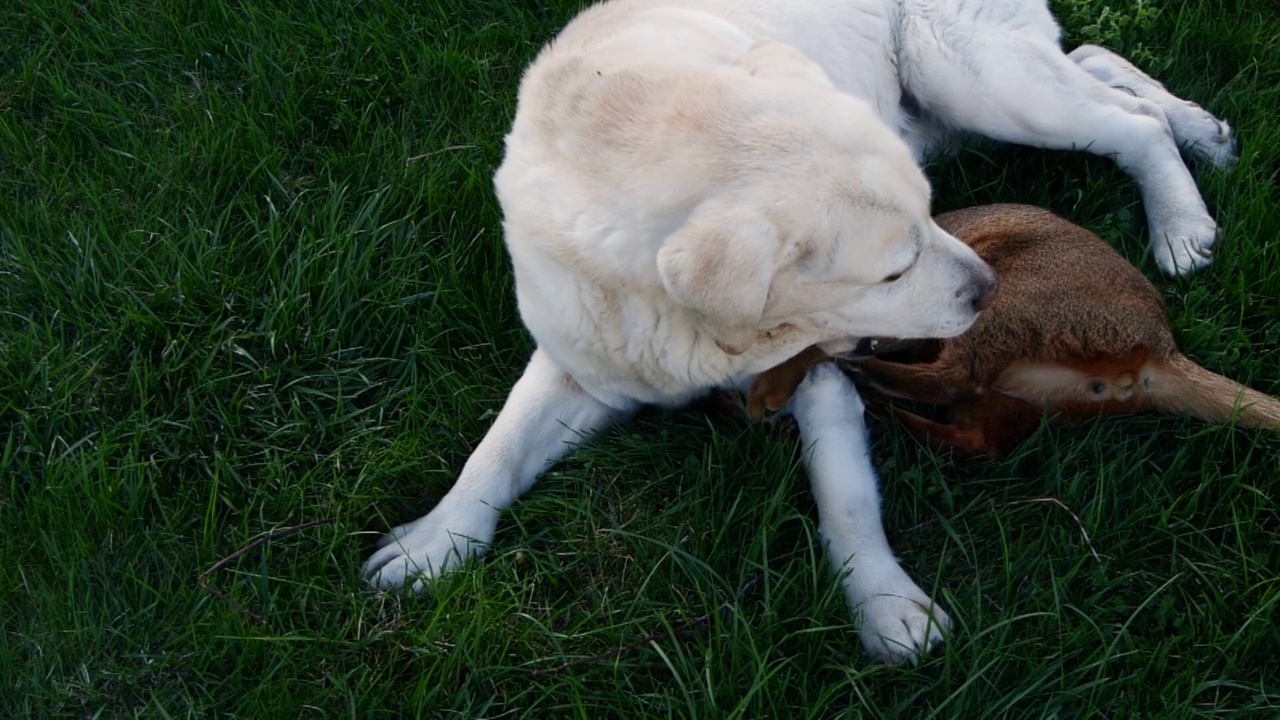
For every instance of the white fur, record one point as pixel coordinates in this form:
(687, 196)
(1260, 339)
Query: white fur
(899, 621)
(695, 190)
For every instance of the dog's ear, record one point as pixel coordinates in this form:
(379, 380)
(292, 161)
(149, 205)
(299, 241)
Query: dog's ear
(771, 59)
(720, 264)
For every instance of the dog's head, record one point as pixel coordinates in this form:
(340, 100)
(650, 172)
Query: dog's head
(823, 232)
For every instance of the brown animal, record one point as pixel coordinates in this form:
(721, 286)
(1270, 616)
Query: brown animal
(1075, 331)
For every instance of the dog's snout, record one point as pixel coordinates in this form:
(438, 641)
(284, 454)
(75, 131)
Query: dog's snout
(985, 287)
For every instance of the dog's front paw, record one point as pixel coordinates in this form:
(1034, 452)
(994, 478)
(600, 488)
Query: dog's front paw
(1184, 247)
(898, 628)
(899, 621)
(416, 553)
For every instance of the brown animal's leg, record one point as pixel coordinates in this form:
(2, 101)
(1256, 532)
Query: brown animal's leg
(934, 383)
(941, 436)
(775, 386)
(1078, 387)
(1005, 421)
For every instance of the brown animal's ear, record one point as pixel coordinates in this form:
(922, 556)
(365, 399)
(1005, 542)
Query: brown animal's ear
(720, 264)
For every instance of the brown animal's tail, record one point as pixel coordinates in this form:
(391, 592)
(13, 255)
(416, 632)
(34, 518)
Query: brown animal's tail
(1181, 386)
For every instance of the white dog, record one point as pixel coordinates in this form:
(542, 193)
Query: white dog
(695, 190)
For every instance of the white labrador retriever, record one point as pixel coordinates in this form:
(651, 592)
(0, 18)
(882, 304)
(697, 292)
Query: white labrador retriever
(695, 190)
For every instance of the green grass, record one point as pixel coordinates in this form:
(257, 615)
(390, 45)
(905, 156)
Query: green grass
(251, 276)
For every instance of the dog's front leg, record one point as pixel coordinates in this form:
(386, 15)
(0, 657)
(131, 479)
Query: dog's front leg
(544, 417)
(899, 621)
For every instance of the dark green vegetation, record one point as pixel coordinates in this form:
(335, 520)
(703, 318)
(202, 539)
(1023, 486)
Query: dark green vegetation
(251, 276)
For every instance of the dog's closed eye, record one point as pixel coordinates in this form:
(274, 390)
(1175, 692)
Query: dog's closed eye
(895, 276)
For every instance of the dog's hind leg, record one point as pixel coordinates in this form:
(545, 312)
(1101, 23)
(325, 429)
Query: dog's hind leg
(544, 417)
(899, 621)
(1197, 131)
(1020, 88)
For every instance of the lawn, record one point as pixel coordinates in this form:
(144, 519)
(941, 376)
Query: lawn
(252, 277)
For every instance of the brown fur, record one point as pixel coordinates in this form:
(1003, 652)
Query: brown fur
(1075, 331)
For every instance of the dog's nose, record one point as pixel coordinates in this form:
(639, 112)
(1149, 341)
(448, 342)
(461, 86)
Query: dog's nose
(986, 287)
(983, 287)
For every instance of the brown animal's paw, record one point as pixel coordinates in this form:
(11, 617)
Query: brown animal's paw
(773, 388)
(786, 426)
(765, 399)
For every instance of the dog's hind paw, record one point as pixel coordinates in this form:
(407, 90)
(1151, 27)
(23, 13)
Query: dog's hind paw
(1187, 250)
(1205, 137)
